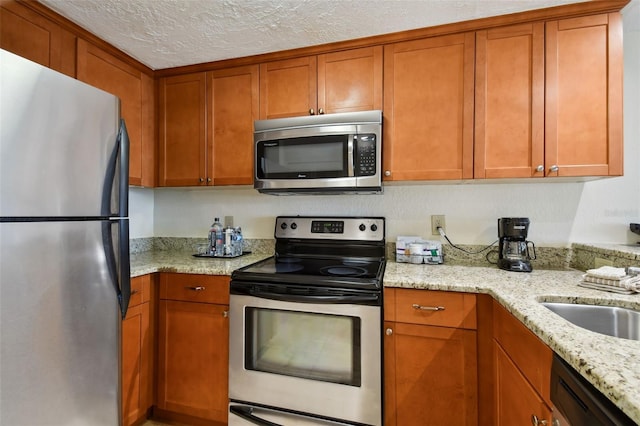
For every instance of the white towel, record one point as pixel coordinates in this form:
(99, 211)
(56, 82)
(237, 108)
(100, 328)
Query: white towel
(610, 288)
(607, 272)
(631, 283)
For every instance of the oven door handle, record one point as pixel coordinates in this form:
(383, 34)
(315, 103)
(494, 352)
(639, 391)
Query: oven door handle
(246, 413)
(318, 299)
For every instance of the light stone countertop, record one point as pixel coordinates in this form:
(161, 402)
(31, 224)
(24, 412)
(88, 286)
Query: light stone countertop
(183, 261)
(611, 364)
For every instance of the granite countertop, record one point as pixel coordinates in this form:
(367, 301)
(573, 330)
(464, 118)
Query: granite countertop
(183, 261)
(611, 364)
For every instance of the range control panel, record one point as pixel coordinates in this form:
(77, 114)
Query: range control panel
(330, 228)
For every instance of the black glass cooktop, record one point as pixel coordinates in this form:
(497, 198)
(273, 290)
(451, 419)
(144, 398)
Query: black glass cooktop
(324, 271)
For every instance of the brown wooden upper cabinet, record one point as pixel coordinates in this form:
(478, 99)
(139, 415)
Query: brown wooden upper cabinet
(565, 120)
(428, 108)
(509, 114)
(583, 96)
(32, 36)
(343, 81)
(135, 90)
(206, 127)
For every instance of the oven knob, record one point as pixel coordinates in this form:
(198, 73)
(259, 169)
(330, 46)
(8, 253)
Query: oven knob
(362, 227)
(374, 227)
(283, 225)
(294, 225)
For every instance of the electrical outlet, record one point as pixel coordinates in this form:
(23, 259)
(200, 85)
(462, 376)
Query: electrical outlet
(437, 221)
(598, 262)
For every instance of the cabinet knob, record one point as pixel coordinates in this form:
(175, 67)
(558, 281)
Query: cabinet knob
(540, 168)
(535, 421)
(201, 180)
(388, 331)
(554, 168)
(387, 173)
(196, 288)
(312, 111)
(225, 314)
(320, 111)
(209, 180)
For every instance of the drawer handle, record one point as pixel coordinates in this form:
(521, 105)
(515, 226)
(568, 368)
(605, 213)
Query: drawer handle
(197, 288)
(427, 308)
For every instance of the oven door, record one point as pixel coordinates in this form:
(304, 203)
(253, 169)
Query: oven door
(315, 355)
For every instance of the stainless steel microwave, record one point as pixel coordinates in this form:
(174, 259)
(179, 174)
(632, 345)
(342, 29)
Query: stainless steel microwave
(319, 154)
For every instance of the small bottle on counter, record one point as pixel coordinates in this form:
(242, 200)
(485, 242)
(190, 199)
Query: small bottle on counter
(215, 238)
(237, 246)
(228, 241)
(219, 237)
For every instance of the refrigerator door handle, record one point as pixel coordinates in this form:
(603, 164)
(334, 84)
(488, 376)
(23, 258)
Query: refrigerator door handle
(123, 199)
(119, 155)
(120, 277)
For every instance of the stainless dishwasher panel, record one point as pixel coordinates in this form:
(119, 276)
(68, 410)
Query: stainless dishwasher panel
(579, 402)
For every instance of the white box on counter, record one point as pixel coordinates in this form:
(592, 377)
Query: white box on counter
(414, 249)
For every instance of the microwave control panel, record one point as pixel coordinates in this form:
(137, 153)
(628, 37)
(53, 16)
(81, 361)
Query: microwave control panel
(365, 154)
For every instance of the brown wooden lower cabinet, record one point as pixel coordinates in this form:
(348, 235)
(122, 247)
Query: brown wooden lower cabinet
(517, 402)
(137, 353)
(193, 335)
(522, 366)
(430, 371)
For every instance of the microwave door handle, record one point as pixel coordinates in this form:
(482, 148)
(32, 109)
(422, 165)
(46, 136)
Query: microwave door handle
(246, 413)
(350, 155)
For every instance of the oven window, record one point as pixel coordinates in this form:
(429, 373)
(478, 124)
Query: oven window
(302, 344)
(317, 156)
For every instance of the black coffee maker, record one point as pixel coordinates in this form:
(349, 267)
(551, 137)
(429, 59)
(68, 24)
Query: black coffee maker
(514, 247)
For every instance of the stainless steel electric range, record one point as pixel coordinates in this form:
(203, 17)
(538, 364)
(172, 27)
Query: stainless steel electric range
(306, 326)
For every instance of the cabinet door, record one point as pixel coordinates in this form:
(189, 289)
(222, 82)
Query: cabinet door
(516, 400)
(583, 106)
(193, 359)
(32, 36)
(182, 130)
(136, 346)
(233, 106)
(430, 375)
(428, 108)
(137, 353)
(104, 71)
(350, 80)
(509, 113)
(288, 88)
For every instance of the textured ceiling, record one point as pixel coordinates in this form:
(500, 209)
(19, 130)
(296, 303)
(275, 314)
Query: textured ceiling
(170, 33)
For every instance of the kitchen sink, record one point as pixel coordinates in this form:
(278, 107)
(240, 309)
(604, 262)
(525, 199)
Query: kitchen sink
(610, 320)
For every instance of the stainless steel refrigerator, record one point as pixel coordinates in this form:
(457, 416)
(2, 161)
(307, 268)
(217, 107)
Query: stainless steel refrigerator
(64, 248)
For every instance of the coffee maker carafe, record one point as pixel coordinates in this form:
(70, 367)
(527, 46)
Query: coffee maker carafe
(514, 247)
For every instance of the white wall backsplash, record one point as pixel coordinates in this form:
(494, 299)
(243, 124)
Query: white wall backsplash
(141, 206)
(596, 211)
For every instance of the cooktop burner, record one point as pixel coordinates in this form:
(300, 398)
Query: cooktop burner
(344, 271)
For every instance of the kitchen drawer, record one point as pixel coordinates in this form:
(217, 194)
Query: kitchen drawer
(195, 288)
(140, 290)
(530, 354)
(415, 307)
